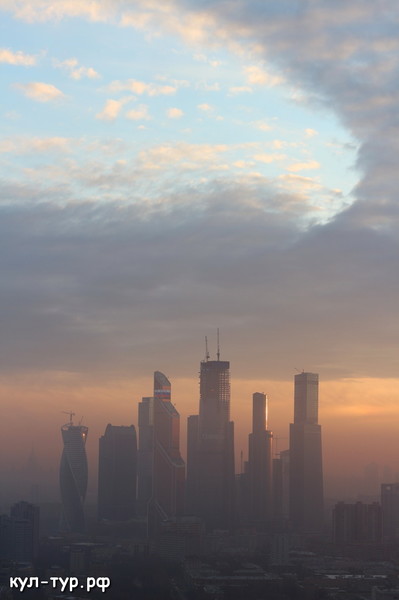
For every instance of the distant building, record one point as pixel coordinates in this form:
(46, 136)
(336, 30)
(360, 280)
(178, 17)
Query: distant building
(390, 510)
(5, 537)
(260, 463)
(192, 464)
(357, 523)
(145, 454)
(19, 533)
(168, 469)
(180, 537)
(211, 449)
(281, 488)
(73, 477)
(306, 471)
(117, 473)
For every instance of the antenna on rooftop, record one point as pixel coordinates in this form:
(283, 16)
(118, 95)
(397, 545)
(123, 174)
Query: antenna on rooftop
(206, 349)
(218, 352)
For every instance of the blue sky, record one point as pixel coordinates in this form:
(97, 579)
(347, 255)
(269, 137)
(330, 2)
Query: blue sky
(116, 99)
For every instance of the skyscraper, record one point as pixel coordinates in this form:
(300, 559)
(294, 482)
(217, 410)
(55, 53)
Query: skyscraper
(117, 472)
(168, 472)
(306, 471)
(145, 454)
(192, 464)
(24, 522)
(390, 510)
(211, 448)
(73, 476)
(260, 462)
(281, 488)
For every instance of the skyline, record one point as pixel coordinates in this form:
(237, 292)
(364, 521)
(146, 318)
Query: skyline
(165, 171)
(343, 478)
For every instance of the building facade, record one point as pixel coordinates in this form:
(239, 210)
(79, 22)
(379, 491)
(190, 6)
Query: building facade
(306, 470)
(73, 477)
(168, 468)
(260, 464)
(24, 531)
(145, 454)
(390, 510)
(357, 523)
(117, 473)
(211, 449)
(281, 489)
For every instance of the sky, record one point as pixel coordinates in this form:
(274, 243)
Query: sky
(170, 168)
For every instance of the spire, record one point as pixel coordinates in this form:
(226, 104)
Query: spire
(206, 349)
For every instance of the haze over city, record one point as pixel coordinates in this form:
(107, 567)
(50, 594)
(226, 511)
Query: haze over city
(170, 169)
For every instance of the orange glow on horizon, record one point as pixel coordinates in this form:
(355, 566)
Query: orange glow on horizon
(359, 418)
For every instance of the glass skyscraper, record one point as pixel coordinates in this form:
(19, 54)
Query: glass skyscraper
(168, 468)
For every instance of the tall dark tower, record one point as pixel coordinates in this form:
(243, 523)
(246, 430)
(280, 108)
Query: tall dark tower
(260, 463)
(168, 472)
(117, 471)
(306, 470)
(73, 476)
(211, 448)
(145, 454)
(192, 464)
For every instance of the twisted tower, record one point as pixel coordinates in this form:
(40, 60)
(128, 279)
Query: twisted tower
(73, 476)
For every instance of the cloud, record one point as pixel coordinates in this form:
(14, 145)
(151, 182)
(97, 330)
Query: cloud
(208, 87)
(243, 164)
(341, 57)
(39, 91)
(269, 158)
(193, 27)
(112, 109)
(174, 113)
(183, 155)
(75, 71)
(304, 166)
(48, 10)
(100, 278)
(140, 87)
(262, 125)
(200, 57)
(240, 89)
(17, 58)
(258, 76)
(205, 107)
(299, 183)
(311, 132)
(24, 145)
(139, 114)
